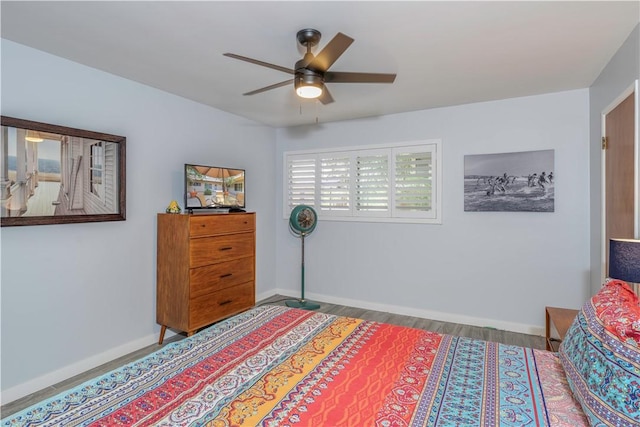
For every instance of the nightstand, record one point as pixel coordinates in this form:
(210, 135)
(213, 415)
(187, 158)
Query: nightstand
(561, 319)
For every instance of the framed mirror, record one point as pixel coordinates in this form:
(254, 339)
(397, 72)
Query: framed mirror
(53, 174)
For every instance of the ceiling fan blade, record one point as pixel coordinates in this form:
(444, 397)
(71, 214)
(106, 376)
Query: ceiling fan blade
(344, 77)
(273, 86)
(330, 53)
(262, 63)
(326, 97)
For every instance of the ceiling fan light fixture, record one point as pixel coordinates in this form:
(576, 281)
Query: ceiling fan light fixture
(309, 91)
(308, 85)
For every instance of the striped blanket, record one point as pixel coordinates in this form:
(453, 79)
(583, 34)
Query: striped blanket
(277, 366)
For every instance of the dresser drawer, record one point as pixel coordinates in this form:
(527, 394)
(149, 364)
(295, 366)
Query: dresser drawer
(210, 225)
(211, 278)
(214, 250)
(212, 307)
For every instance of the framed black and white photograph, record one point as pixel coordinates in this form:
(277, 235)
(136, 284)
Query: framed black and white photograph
(513, 182)
(53, 174)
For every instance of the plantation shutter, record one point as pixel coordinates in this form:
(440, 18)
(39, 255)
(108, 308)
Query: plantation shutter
(377, 183)
(301, 181)
(414, 181)
(372, 182)
(334, 183)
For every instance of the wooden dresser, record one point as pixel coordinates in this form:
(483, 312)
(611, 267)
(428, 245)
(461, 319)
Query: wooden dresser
(205, 269)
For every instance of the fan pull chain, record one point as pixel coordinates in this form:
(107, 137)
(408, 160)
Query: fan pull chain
(317, 110)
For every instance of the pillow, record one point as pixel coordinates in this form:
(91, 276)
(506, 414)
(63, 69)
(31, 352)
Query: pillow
(601, 357)
(617, 306)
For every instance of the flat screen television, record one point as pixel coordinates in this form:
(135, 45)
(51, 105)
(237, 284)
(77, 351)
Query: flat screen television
(212, 187)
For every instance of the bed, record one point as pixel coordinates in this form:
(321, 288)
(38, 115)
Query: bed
(279, 366)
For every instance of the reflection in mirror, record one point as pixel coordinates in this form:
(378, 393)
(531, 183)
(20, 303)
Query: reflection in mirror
(51, 174)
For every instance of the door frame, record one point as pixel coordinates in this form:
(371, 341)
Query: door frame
(632, 89)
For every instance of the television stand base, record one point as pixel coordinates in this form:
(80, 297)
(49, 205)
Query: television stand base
(207, 211)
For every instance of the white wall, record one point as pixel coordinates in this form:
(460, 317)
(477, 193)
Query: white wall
(618, 76)
(75, 296)
(487, 268)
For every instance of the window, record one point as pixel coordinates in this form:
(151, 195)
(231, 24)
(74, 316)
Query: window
(301, 182)
(392, 183)
(97, 169)
(334, 184)
(372, 182)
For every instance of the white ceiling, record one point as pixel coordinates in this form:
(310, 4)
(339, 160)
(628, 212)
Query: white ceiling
(444, 53)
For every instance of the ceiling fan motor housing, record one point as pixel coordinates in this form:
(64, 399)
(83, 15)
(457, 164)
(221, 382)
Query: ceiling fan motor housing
(307, 77)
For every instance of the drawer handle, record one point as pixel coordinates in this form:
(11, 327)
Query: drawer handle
(225, 302)
(226, 248)
(226, 275)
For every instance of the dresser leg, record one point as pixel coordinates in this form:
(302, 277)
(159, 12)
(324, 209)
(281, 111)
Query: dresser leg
(162, 331)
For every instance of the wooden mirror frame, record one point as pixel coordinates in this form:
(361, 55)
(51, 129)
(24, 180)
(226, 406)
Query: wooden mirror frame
(76, 144)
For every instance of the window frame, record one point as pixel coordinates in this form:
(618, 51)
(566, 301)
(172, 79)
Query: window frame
(391, 214)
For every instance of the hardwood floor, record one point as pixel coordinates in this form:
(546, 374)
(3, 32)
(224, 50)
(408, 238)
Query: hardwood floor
(488, 334)
(477, 332)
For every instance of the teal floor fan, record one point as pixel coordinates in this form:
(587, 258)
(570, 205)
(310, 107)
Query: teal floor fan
(302, 222)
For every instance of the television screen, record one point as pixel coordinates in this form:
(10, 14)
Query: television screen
(210, 187)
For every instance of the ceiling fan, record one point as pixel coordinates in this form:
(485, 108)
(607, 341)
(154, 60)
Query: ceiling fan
(312, 72)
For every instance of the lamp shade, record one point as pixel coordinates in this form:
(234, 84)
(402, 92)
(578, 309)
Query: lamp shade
(33, 136)
(624, 260)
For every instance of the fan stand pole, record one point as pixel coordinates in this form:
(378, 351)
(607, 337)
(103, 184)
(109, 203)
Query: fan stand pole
(302, 303)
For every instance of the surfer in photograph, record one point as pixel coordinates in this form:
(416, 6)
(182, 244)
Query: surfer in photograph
(498, 183)
(542, 180)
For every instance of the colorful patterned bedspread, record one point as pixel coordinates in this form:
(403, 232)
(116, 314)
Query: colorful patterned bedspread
(276, 366)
